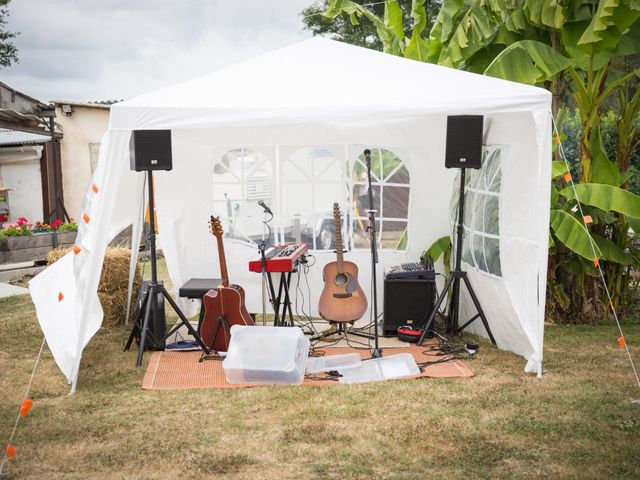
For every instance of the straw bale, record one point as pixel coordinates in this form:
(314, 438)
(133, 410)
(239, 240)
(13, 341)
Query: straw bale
(114, 280)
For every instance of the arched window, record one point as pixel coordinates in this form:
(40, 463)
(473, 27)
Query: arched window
(390, 181)
(481, 242)
(241, 178)
(312, 180)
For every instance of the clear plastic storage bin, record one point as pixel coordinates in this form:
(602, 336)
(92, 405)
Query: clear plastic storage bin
(266, 355)
(384, 368)
(329, 363)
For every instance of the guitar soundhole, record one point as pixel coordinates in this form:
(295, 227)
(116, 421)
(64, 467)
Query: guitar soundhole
(341, 280)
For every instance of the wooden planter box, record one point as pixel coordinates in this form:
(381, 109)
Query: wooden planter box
(32, 248)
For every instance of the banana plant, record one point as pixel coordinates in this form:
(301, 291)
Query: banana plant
(568, 47)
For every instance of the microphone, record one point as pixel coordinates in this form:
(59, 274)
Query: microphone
(367, 155)
(265, 208)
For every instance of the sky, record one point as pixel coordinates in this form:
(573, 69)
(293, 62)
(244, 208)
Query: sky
(115, 49)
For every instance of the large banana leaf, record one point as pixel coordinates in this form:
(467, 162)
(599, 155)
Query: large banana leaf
(393, 18)
(387, 28)
(548, 13)
(600, 22)
(606, 197)
(611, 251)
(446, 20)
(591, 40)
(558, 169)
(602, 169)
(437, 248)
(573, 234)
(418, 47)
(476, 30)
(528, 61)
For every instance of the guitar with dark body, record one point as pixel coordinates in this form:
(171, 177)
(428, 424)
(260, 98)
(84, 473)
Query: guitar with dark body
(224, 306)
(342, 299)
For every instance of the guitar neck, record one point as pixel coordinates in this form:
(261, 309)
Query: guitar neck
(339, 246)
(223, 262)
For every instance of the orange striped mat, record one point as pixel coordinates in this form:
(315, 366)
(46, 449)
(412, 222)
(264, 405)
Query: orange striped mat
(181, 370)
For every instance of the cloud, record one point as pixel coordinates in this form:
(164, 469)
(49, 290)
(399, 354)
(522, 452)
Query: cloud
(106, 49)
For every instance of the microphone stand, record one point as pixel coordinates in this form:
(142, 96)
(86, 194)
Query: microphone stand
(377, 352)
(263, 271)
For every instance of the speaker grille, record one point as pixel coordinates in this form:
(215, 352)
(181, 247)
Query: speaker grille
(407, 302)
(464, 141)
(151, 150)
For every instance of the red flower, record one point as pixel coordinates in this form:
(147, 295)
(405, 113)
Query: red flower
(56, 224)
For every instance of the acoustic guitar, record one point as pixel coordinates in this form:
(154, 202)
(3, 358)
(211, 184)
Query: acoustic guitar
(224, 306)
(342, 299)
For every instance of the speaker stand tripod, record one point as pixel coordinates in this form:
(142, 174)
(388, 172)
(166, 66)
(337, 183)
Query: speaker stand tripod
(454, 281)
(149, 302)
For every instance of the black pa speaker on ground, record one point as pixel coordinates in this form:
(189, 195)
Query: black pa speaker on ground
(157, 328)
(151, 150)
(464, 141)
(407, 301)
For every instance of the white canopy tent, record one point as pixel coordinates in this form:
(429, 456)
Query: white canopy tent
(289, 128)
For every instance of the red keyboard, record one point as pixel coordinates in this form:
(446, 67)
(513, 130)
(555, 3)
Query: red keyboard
(280, 258)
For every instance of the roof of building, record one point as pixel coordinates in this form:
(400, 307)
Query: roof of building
(105, 104)
(9, 138)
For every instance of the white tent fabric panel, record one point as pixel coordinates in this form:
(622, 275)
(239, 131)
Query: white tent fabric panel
(320, 80)
(313, 107)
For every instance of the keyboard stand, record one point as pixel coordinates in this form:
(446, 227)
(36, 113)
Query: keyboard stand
(280, 317)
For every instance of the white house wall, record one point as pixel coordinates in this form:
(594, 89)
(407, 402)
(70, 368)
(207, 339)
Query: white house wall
(83, 128)
(20, 172)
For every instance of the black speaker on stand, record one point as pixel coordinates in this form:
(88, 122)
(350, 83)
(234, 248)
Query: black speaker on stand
(464, 150)
(151, 150)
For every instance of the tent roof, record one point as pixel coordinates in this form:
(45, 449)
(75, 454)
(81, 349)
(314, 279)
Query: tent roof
(323, 80)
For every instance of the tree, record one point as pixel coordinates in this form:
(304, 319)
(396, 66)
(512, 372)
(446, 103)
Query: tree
(350, 29)
(8, 51)
(580, 50)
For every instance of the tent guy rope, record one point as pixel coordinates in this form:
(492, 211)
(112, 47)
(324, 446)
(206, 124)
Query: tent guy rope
(10, 451)
(621, 341)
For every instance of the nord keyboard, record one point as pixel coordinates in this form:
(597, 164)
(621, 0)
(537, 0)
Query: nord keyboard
(411, 270)
(280, 258)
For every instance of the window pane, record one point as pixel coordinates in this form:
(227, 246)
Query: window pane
(393, 235)
(241, 178)
(482, 213)
(361, 200)
(492, 255)
(390, 201)
(466, 249)
(360, 233)
(395, 202)
(491, 215)
(477, 212)
(312, 180)
(400, 176)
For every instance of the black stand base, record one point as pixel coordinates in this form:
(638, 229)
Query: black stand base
(141, 322)
(452, 326)
(280, 317)
(341, 330)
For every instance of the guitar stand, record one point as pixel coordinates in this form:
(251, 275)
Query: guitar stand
(221, 322)
(338, 328)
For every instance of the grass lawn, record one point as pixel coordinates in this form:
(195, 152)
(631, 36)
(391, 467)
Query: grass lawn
(577, 422)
